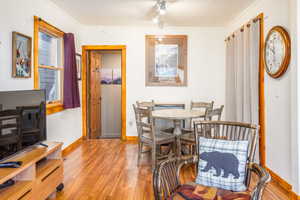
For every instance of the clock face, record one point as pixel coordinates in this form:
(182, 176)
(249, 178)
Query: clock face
(274, 52)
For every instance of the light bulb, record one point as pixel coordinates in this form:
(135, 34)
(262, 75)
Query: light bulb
(155, 20)
(162, 11)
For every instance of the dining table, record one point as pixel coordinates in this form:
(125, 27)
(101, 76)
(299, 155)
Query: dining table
(177, 116)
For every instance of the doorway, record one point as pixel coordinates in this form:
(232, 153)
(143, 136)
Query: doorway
(104, 92)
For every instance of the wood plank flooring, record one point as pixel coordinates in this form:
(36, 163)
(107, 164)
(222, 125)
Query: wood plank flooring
(107, 170)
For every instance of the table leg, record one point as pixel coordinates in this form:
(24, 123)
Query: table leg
(177, 133)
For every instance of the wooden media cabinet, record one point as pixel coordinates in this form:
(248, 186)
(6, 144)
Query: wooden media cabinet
(40, 174)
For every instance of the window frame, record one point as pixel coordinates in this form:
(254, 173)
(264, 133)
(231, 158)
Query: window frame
(42, 26)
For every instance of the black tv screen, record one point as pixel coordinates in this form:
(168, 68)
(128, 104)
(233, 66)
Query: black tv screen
(22, 120)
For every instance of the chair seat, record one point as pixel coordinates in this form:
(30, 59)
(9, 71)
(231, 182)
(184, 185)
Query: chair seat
(200, 192)
(183, 130)
(168, 130)
(160, 138)
(188, 137)
(187, 130)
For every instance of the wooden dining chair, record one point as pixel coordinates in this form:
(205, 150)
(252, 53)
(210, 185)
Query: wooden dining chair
(150, 136)
(145, 104)
(214, 114)
(166, 178)
(188, 139)
(201, 105)
(204, 106)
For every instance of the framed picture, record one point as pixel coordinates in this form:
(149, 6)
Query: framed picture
(78, 64)
(117, 77)
(106, 76)
(166, 60)
(21, 55)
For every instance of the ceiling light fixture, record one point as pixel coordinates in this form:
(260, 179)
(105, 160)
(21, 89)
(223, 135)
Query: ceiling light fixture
(162, 7)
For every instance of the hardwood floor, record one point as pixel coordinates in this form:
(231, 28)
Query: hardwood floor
(107, 170)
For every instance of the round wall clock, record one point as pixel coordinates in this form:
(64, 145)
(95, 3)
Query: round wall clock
(277, 51)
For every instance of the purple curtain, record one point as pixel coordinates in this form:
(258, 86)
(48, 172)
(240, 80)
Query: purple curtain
(71, 89)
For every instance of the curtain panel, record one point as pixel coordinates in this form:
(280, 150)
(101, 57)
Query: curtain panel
(242, 75)
(71, 89)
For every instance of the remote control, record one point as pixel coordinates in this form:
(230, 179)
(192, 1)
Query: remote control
(44, 145)
(7, 184)
(16, 164)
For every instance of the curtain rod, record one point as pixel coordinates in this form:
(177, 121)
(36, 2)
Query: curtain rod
(248, 24)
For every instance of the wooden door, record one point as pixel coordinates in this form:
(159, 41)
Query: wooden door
(95, 95)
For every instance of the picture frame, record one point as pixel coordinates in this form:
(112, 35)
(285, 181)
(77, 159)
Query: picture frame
(21, 55)
(79, 66)
(117, 77)
(166, 60)
(106, 76)
(111, 76)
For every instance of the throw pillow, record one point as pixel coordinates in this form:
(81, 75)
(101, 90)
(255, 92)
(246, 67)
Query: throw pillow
(222, 164)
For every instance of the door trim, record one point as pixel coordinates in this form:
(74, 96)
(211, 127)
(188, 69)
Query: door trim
(85, 49)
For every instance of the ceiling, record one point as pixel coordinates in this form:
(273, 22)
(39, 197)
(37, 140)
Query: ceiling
(140, 12)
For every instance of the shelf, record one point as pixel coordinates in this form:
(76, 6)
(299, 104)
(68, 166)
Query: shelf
(39, 175)
(18, 190)
(46, 167)
(29, 157)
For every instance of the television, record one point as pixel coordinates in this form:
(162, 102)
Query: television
(22, 120)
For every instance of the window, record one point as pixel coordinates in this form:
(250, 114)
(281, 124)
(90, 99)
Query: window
(48, 73)
(50, 66)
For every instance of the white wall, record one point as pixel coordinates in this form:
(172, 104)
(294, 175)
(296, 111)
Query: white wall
(206, 80)
(281, 130)
(17, 16)
(205, 61)
(206, 58)
(206, 64)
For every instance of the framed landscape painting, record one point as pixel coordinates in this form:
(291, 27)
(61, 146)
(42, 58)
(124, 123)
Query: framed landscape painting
(106, 76)
(21, 55)
(166, 60)
(117, 77)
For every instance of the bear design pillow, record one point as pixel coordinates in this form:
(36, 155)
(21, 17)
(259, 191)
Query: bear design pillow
(222, 164)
